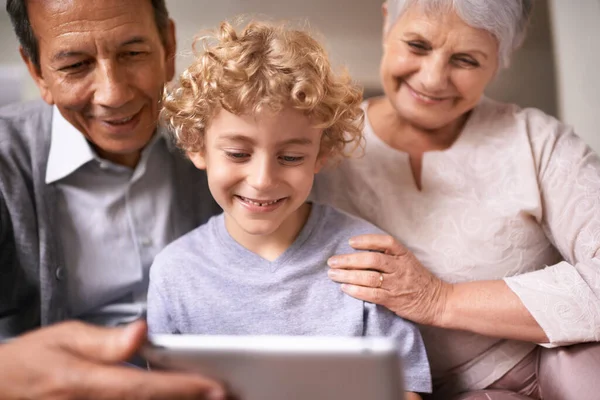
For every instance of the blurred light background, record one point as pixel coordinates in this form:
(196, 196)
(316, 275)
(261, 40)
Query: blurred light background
(556, 70)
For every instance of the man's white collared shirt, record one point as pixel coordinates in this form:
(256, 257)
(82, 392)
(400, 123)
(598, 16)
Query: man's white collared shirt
(112, 221)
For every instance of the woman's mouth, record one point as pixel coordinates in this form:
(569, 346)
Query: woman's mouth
(425, 98)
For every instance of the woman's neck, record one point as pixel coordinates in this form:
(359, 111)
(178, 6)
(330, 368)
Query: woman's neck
(404, 136)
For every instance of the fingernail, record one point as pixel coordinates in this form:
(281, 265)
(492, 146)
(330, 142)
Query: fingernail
(332, 262)
(332, 273)
(352, 242)
(216, 394)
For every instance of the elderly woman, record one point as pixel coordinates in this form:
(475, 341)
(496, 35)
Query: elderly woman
(497, 208)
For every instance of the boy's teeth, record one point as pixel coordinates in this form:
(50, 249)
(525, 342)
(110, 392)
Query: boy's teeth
(259, 204)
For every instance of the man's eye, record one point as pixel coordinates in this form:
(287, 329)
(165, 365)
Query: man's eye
(75, 67)
(134, 53)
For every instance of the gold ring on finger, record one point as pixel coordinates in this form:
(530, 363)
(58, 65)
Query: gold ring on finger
(380, 283)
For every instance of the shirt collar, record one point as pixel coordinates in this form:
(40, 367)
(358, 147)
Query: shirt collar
(69, 149)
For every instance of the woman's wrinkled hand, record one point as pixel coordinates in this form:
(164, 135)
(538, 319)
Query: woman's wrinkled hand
(386, 273)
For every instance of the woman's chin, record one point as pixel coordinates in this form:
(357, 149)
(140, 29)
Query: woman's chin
(425, 120)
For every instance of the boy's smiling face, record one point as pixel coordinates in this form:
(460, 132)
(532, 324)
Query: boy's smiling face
(261, 169)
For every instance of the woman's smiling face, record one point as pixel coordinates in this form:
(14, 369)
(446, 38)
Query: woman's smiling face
(435, 67)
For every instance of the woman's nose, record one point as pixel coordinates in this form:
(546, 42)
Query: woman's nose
(434, 75)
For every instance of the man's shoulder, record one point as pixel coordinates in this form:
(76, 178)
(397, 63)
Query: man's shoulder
(24, 127)
(20, 113)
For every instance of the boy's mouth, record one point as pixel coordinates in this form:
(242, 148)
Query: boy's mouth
(260, 202)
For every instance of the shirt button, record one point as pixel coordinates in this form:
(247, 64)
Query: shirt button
(146, 242)
(103, 165)
(60, 273)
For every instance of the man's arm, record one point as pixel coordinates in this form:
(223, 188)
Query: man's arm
(73, 360)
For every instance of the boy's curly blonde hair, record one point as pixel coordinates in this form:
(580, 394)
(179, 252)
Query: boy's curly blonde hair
(268, 66)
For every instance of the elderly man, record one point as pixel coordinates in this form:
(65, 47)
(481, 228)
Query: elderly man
(90, 191)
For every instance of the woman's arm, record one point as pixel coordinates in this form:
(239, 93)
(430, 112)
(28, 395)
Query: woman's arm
(411, 291)
(489, 308)
(558, 304)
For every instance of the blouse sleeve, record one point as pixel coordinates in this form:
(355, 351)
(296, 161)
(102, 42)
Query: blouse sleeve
(565, 298)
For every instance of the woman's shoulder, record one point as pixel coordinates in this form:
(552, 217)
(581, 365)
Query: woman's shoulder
(512, 118)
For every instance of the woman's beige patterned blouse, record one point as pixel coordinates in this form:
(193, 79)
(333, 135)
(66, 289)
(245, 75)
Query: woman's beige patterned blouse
(516, 197)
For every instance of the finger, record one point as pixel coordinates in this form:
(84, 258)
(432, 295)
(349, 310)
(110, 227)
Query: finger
(364, 260)
(383, 243)
(373, 279)
(116, 382)
(108, 345)
(369, 294)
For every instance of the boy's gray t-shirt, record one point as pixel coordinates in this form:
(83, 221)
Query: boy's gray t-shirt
(207, 283)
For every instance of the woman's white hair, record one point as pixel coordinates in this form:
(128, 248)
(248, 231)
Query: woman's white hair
(506, 20)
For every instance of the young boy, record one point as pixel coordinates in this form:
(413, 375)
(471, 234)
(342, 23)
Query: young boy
(262, 112)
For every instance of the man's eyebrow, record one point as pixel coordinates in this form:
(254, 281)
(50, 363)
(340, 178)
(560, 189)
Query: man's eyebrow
(134, 40)
(66, 54)
(61, 55)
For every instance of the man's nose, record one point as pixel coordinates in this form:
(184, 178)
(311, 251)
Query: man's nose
(112, 87)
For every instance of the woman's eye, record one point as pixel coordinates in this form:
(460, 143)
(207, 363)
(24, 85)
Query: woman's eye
(418, 46)
(466, 62)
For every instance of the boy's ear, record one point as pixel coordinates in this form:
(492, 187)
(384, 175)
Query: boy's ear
(197, 158)
(321, 162)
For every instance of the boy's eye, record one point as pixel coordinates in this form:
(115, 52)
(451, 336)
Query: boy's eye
(236, 156)
(291, 159)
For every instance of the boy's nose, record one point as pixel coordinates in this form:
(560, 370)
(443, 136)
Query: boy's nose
(263, 176)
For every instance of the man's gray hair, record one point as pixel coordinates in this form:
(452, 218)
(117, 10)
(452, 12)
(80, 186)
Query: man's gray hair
(506, 20)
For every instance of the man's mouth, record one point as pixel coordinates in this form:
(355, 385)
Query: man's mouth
(120, 120)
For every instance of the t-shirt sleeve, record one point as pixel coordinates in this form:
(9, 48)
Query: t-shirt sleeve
(159, 311)
(379, 321)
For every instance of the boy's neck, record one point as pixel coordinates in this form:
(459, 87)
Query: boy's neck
(271, 246)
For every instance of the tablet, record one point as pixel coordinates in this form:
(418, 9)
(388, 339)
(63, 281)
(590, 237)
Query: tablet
(286, 367)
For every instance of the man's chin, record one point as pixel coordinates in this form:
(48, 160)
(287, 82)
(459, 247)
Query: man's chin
(122, 153)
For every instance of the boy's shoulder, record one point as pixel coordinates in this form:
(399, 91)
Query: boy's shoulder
(338, 227)
(190, 246)
(340, 222)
